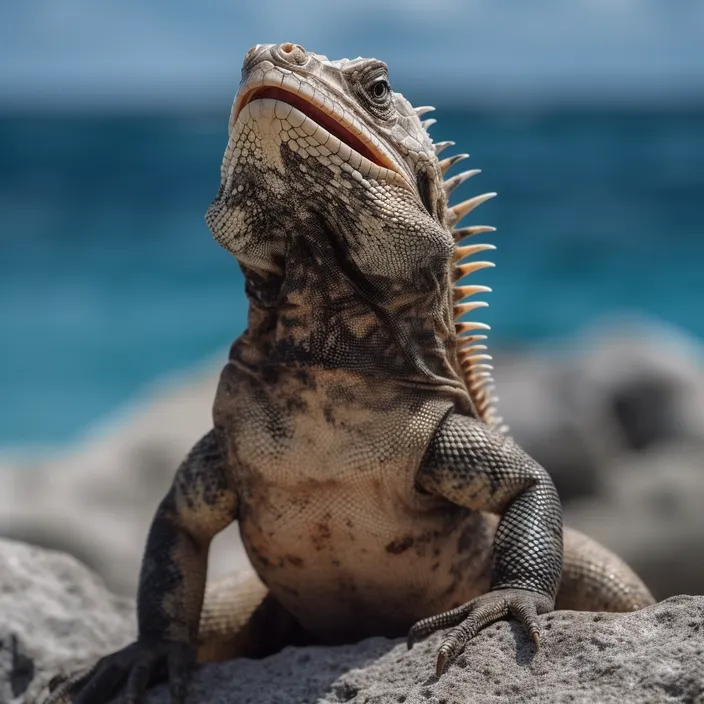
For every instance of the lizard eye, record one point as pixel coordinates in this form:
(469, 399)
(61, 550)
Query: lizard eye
(380, 89)
(370, 84)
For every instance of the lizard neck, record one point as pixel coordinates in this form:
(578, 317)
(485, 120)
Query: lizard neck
(323, 313)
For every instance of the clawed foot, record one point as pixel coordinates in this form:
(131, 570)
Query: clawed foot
(129, 670)
(470, 618)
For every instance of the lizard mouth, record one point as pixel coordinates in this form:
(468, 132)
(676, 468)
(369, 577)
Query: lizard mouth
(329, 123)
(359, 142)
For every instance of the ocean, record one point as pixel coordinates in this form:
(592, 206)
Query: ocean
(110, 278)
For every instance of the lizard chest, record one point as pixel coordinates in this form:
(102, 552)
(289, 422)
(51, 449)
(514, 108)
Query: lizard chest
(329, 513)
(294, 427)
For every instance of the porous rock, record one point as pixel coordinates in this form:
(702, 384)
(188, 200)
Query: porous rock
(57, 615)
(656, 655)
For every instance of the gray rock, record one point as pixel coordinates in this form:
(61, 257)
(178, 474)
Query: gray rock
(651, 515)
(656, 655)
(55, 612)
(624, 386)
(96, 500)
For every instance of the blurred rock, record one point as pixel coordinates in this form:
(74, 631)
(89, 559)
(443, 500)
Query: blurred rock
(617, 417)
(650, 514)
(57, 616)
(96, 500)
(625, 386)
(53, 611)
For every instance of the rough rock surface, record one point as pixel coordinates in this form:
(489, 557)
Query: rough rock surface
(653, 656)
(56, 614)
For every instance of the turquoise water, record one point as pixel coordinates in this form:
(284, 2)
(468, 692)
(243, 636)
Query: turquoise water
(109, 277)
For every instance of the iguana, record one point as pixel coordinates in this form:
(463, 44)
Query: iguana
(355, 433)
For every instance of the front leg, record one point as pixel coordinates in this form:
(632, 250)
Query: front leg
(200, 503)
(480, 469)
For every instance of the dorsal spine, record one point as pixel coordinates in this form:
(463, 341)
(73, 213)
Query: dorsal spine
(472, 354)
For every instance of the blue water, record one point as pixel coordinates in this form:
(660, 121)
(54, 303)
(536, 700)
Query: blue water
(109, 276)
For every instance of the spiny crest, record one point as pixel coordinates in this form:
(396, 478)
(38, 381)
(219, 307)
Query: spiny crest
(471, 352)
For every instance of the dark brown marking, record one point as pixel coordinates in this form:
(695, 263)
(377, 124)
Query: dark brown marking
(396, 547)
(295, 404)
(259, 556)
(320, 535)
(467, 539)
(329, 415)
(323, 530)
(290, 321)
(295, 560)
(306, 378)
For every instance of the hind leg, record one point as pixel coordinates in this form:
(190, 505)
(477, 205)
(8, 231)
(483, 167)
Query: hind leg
(240, 618)
(594, 579)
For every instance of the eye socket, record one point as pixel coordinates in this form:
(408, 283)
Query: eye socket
(380, 89)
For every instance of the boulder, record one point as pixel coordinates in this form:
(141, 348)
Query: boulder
(96, 499)
(57, 615)
(626, 385)
(656, 655)
(650, 514)
(53, 612)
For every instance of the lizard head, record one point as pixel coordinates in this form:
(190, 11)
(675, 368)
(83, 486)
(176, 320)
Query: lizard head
(332, 193)
(307, 135)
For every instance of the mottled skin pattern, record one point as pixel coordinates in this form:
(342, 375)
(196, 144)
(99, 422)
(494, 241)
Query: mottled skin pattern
(373, 486)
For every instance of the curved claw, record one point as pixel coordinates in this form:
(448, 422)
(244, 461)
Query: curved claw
(443, 656)
(470, 618)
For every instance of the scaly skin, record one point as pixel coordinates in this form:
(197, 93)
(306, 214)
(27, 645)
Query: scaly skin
(354, 432)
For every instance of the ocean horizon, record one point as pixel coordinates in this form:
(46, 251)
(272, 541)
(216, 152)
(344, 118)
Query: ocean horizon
(109, 277)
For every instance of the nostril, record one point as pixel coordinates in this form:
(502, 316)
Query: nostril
(293, 53)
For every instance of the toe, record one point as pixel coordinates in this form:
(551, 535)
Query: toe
(181, 664)
(524, 605)
(429, 625)
(481, 615)
(525, 608)
(139, 678)
(104, 681)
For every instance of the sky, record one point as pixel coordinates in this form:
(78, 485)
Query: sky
(185, 53)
